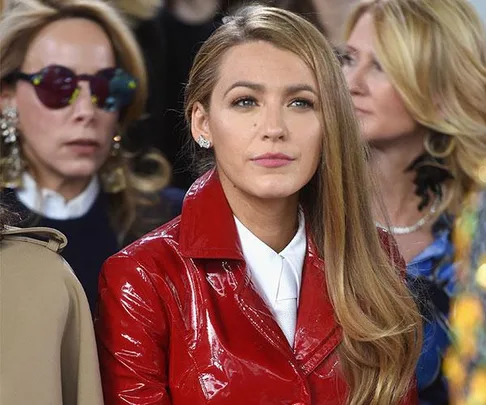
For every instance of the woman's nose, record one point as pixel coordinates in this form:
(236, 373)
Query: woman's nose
(83, 101)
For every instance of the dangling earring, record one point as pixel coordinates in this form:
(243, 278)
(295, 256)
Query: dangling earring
(439, 145)
(112, 175)
(11, 165)
(203, 142)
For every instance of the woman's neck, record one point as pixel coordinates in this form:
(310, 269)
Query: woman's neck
(273, 221)
(396, 188)
(69, 188)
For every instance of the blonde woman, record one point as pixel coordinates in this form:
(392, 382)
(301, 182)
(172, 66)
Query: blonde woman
(72, 79)
(272, 287)
(416, 70)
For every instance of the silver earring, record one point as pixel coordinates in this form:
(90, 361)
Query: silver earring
(8, 124)
(203, 142)
(11, 161)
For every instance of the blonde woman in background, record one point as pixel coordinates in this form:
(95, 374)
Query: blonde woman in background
(71, 80)
(417, 76)
(273, 286)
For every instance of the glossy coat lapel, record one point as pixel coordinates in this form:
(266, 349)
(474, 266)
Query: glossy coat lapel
(255, 309)
(317, 333)
(208, 231)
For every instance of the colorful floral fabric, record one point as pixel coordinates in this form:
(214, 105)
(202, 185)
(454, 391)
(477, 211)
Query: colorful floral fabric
(465, 365)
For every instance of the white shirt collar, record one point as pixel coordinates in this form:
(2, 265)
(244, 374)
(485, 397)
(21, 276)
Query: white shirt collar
(265, 264)
(53, 205)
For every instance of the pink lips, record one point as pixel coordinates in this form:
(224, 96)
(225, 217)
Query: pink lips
(360, 111)
(273, 160)
(83, 146)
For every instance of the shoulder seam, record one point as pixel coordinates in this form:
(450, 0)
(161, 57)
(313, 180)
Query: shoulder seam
(50, 238)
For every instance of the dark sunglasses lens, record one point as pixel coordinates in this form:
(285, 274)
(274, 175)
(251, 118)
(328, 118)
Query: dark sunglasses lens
(121, 89)
(100, 90)
(55, 86)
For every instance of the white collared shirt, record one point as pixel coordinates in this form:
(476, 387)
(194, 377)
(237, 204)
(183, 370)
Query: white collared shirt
(265, 266)
(53, 205)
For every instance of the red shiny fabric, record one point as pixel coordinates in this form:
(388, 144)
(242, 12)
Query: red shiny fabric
(180, 323)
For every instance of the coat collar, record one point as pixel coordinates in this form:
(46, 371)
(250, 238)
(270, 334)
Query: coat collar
(208, 230)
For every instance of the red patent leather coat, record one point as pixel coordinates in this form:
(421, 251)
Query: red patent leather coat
(180, 323)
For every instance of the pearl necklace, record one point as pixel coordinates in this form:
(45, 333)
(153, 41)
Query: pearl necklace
(404, 230)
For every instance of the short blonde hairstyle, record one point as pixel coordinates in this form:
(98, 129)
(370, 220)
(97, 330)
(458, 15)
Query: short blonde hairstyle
(381, 324)
(434, 53)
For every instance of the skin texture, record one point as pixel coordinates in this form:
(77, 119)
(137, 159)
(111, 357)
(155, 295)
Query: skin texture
(64, 148)
(265, 101)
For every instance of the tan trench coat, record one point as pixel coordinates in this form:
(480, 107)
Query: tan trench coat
(47, 347)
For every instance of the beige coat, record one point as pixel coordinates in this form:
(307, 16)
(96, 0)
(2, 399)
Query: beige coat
(47, 346)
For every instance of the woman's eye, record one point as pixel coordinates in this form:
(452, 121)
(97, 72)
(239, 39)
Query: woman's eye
(377, 66)
(346, 59)
(302, 103)
(245, 102)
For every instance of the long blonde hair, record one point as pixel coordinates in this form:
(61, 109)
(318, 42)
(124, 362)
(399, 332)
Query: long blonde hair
(380, 322)
(19, 25)
(434, 53)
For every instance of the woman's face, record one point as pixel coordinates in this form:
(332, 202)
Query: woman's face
(70, 143)
(378, 105)
(263, 122)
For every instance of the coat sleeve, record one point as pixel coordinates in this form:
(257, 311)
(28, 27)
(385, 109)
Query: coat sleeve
(132, 333)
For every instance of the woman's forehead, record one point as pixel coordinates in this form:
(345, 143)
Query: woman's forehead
(77, 43)
(261, 62)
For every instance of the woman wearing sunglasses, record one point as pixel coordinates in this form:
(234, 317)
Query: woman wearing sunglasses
(72, 79)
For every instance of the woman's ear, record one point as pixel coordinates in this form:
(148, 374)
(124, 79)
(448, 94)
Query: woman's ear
(200, 123)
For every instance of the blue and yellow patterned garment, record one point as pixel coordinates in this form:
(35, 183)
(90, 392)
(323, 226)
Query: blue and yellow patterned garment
(465, 365)
(431, 277)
